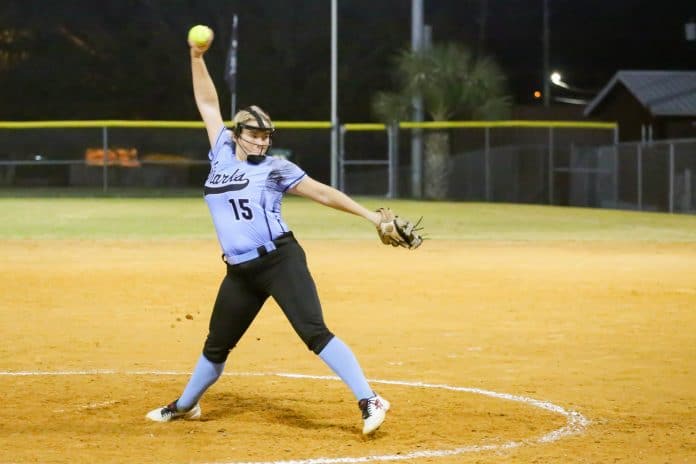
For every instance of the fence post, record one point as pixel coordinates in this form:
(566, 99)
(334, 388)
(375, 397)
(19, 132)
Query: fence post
(105, 148)
(686, 196)
(671, 177)
(487, 162)
(616, 166)
(393, 143)
(417, 162)
(551, 167)
(639, 174)
(615, 175)
(341, 157)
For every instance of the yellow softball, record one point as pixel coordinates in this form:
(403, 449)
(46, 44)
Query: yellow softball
(200, 35)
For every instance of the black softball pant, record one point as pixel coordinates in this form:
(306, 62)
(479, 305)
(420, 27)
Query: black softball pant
(282, 274)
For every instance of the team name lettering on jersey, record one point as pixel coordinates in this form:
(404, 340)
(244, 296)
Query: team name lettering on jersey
(236, 179)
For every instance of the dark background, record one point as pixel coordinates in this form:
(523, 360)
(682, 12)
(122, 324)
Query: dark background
(129, 59)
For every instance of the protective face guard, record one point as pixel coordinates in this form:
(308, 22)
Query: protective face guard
(255, 159)
(240, 127)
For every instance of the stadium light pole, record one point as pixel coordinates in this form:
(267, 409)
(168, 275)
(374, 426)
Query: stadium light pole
(334, 96)
(417, 33)
(546, 38)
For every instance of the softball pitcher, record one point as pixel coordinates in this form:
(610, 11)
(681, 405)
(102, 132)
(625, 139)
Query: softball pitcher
(243, 192)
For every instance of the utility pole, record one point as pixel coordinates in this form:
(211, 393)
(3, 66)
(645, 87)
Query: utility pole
(334, 94)
(483, 18)
(545, 45)
(417, 134)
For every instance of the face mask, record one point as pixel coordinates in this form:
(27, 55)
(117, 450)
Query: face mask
(263, 148)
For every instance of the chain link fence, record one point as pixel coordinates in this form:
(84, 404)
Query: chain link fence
(134, 154)
(566, 164)
(656, 176)
(507, 161)
(645, 176)
(516, 162)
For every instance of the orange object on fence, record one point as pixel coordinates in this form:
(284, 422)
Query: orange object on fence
(126, 157)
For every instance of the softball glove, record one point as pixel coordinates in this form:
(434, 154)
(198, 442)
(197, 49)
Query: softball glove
(396, 231)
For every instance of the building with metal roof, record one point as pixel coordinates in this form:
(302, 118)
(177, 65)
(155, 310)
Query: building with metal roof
(648, 104)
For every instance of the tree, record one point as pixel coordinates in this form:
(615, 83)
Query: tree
(454, 84)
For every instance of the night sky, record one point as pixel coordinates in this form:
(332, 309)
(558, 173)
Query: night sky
(589, 39)
(128, 59)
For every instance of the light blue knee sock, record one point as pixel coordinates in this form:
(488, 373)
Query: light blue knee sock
(204, 375)
(341, 360)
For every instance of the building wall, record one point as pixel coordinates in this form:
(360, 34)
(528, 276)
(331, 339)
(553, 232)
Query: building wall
(679, 128)
(621, 106)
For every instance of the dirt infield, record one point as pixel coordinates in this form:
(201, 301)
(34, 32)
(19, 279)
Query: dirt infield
(606, 330)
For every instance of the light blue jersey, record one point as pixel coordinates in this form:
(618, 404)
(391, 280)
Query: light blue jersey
(244, 199)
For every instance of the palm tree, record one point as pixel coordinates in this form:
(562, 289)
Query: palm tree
(452, 84)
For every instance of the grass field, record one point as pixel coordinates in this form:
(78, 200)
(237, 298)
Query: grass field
(187, 218)
(517, 334)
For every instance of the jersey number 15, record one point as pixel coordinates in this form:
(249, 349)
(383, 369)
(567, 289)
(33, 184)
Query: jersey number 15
(241, 208)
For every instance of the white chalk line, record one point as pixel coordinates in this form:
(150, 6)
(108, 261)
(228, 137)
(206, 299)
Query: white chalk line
(576, 423)
(101, 405)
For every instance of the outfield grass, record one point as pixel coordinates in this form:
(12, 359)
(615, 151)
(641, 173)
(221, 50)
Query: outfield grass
(187, 218)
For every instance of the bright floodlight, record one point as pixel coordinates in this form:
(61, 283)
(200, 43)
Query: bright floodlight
(556, 80)
(556, 77)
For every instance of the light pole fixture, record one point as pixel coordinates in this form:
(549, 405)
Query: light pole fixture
(557, 79)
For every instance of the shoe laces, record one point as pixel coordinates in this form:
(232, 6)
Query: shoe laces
(369, 405)
(169, 410)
